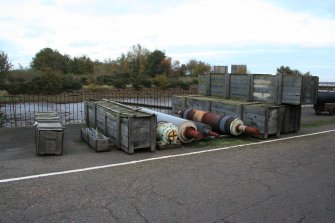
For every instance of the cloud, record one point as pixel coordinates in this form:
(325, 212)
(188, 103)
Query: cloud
(113, 28)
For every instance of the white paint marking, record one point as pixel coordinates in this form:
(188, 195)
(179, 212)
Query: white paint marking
(158, 158)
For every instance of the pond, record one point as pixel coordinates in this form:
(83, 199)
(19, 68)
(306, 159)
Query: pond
(23, 114)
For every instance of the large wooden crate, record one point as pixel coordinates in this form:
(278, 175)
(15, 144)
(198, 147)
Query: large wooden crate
(291, 117)
(198, 102)
(178, 103)
(267, 118)
(229, 107)
(49, 139)
(204, 84)
(298, 90)
(240, 86)
(90, 113)
(266, 88)
(127, 128)
(218, 85)
(238, 69)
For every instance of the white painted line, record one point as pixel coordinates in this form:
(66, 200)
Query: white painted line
(158, 158)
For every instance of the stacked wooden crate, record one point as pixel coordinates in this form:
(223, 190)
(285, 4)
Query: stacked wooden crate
(271, 103)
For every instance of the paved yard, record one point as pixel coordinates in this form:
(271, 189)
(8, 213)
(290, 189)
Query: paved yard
(291, 180)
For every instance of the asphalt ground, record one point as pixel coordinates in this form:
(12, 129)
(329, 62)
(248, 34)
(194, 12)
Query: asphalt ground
(290, 179)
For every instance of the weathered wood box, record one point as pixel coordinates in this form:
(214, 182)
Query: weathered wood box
(291, 117)
(95, 139)
(273, 89)
(126, 127)
(204, 84)
(90, 113)
(229, 107)
(178, 103)
(49, 138)
(198, 102)
(266, 88)
(298, 90)
(267, 118)
(239, 86)
(218, 85)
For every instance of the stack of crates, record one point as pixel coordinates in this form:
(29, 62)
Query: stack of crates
(49, 134)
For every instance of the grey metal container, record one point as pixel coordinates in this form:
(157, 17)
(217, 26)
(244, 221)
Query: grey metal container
(95, 139)
(49, 138)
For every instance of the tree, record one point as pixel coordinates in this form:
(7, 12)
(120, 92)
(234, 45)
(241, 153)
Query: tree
(81, 65)
(287, 70)
(195, 67)
(137, 59)
(156, 63)
(49, 59)
(5, 66)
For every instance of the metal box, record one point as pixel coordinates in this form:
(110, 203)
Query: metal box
(95, 139)
(49, 138)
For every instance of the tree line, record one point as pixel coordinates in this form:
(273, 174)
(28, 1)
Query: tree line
(52, 72)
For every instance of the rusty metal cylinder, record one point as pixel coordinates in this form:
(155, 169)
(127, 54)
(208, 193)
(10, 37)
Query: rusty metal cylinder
(219, 123)
(206, 129)
(187, 130)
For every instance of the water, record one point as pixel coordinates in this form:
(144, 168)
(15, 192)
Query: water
(23, 114)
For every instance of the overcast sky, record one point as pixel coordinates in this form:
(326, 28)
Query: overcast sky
(263, 34)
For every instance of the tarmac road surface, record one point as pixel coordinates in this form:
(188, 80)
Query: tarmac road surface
(291, 180)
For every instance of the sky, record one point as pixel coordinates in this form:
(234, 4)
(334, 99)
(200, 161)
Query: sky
(262, 34)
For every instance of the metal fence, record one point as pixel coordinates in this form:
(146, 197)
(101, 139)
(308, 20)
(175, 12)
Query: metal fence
(19, 110)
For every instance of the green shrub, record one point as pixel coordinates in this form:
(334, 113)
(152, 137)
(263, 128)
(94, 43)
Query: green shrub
(161, 81)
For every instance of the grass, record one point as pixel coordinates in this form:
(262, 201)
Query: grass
(223, 142)
(318, 123)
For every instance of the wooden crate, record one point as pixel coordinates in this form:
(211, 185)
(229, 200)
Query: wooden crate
(198, 102)
(298, 90)
(218, 85)
(267, 118)
(101, 118)
(266, 88)
(291, 117)
(95, 139)
(204, 84)
(127, 128)
(238, 69)
(178, 103)
(90, 113)
(49, 139)
(229, 107)
(240, 86)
